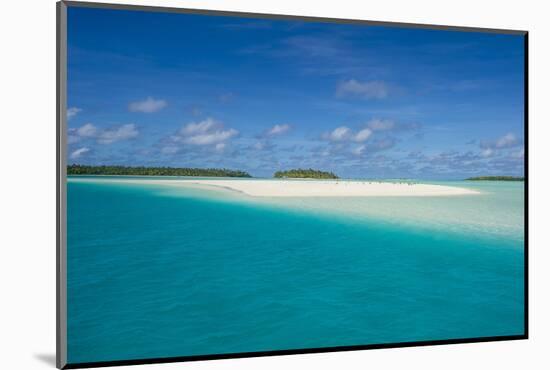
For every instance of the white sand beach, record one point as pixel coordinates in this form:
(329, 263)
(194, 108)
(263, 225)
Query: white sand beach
(331, 188)
(311, 188)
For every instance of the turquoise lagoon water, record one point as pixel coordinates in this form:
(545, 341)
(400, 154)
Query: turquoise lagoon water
(161, 271)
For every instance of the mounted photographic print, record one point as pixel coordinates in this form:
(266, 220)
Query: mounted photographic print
(236, 185)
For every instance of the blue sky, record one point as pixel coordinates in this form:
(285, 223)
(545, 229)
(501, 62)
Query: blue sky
(259, 95)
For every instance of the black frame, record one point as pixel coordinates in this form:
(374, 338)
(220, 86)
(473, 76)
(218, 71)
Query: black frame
(61, 350)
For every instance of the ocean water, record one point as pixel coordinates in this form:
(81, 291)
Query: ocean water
(161, 271)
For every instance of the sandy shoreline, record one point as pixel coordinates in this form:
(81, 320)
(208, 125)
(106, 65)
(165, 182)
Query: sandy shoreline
(313, 188)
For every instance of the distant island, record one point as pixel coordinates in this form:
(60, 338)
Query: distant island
(305, 174)
(76, 169)
(496, 178)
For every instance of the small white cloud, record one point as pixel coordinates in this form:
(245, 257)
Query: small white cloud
(79, 153)
(206, 132)
(102, 136)
(149, 105)
(380, 125)
(359, 149)
(88, 130)
(506, 141)
(199, 127)
(220, 147)
(73, 111)
(365, 90)
(123, 132)
(278, 129)
(341, 133)
(211, 137)
(486, 153)
(362, 135)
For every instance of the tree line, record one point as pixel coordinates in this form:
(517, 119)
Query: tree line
(76, 169)
(305, 173)
(496, 178)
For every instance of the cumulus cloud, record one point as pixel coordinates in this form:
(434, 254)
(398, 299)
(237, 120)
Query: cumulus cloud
(123, 132)
(206, 132)
(343, 134)
(79, 153)
(489, 161)
(359, 149)
(211, 137)
(149, 105)
(364, 90)
(72, 112)
(386, 125)
(338, 134)
(88, 130)
(503, 146)
(506, 141)
(102, 136)
(362, 135)
(196, 128)
(278, 129)
(486, 153)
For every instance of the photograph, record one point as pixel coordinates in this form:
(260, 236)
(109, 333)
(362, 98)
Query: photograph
(238, 184)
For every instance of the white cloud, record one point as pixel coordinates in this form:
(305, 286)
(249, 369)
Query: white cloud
(123, 132)
(88, 130)
(206, 132)
(220, 147)
(73, 111)
(211, 137)
(148, 105)
(501, 144)
(380, 125)
(506, 141)
(102, 136)
(365, 90)
(199, 127)
(343, 133)
(362, 135)
(359, 149)
(79, 152)
(278, 129)
(486, 153)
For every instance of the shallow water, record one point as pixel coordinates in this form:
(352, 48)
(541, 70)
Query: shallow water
(160, 271)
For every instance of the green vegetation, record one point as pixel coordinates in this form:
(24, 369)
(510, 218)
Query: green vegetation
(305, 174)
(496, 178)
(76, 169)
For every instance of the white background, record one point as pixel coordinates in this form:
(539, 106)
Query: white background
(27, 184)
